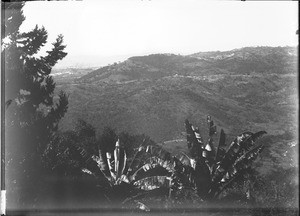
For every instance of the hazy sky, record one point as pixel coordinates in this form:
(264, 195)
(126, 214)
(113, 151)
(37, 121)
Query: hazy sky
(104, 31)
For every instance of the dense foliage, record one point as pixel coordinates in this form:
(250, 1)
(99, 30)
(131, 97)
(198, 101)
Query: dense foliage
(78, 152)
(31, 113)
(152, 171)
(61, 156)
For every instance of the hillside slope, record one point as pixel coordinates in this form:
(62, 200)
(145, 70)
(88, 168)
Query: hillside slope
(243, 89)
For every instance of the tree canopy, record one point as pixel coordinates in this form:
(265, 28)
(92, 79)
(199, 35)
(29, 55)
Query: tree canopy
(32, 110)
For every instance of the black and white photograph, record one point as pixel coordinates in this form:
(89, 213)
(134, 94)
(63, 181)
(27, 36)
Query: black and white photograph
(160, 107)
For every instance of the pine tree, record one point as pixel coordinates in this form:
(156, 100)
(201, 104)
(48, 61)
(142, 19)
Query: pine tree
(31, 112)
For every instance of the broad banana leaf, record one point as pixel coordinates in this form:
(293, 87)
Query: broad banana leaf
(212, 128)
(120, 160)
(241, 164)
(244, 143)
(164, 167)
(247, 158)
(186, 160)
(158, 151)
(221, 150)
(183, 176)
(237, 148)
(110, 162)
(88, 162)
(209, 149)
(183, 173)
(137, 161)
(102, 163)
(142, 206)
(149, 170)
(153, 182)
(198, 150)
(209, 152)
(202, 179)
(194, 140)
(237, 158)
(143, 153)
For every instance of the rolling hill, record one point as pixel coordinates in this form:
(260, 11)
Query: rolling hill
(253, 88)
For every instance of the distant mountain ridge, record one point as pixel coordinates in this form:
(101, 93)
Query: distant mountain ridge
(241, 61)
(247, 51)
(259, 59)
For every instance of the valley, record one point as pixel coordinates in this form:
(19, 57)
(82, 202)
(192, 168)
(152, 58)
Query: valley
(248, 89)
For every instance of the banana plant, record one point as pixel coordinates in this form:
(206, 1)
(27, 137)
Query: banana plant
(152, 171)
(125, 180)
(209, 170)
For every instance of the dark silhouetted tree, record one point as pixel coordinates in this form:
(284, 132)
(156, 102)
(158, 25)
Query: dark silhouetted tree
(32, 111)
